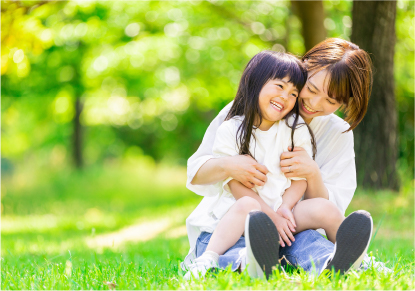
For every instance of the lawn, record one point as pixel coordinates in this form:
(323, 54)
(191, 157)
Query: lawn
(122, 226)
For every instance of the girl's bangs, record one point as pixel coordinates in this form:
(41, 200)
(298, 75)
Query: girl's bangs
(291, 69)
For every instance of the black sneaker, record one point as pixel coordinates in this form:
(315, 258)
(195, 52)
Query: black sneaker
(352, 241)
(262, 244)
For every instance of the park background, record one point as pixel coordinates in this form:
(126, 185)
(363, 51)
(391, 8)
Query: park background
(103, 102)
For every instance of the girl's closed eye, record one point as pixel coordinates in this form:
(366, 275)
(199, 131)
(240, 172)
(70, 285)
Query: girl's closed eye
(332, 103)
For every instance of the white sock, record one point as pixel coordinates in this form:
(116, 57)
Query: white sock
(210, 255)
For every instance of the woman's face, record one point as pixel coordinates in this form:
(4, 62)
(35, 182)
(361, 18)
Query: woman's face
(276, 99)
(314, 100)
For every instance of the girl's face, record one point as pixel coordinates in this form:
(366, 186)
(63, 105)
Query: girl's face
(276, 99)
(314, 100)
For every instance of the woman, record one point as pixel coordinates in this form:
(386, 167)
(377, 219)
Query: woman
(339, 76)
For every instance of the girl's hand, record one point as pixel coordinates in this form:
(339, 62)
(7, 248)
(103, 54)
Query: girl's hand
(285, 212)
(298, 164)
(283, 226)
(246, 170)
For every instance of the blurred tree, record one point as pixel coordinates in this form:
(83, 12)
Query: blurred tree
(77, 135)
(376, 137)
(311, 14)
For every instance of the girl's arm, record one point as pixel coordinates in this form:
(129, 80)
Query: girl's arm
(302, 165)
(293, 194)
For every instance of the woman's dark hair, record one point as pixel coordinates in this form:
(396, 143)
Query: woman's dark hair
(265, 66)
(350, 75)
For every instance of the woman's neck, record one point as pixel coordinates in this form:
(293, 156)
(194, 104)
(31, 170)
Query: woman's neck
(307, 120)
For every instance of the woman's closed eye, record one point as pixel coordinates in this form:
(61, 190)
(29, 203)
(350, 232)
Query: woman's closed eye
(311, 91)
(332, 103)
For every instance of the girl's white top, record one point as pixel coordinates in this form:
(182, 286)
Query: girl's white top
(335, 158)
(266, 147)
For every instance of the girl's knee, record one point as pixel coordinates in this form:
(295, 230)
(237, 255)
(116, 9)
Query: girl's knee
(247, 204)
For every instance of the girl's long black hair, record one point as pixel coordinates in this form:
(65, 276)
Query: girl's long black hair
(265, 66)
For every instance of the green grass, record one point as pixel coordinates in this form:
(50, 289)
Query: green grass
(52, 223)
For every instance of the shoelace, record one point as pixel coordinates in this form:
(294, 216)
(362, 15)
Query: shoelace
(368, 262)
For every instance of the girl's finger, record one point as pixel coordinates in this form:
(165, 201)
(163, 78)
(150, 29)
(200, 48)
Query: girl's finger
(285, 237)
(289, 234)
(290, 216)
(281, 241)
(292, 227)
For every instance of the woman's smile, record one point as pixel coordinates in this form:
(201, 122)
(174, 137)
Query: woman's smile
(306, 108)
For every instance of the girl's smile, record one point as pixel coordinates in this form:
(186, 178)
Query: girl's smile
(277, 106)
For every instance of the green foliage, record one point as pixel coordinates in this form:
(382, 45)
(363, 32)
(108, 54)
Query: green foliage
(151, 74)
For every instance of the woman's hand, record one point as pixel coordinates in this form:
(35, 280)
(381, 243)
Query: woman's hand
(246, 170)
(298, 164)
(284, 227)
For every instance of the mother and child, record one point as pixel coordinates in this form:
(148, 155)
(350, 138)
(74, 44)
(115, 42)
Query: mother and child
(276, 164)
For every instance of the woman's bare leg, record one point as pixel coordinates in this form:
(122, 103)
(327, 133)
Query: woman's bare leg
(232, 225)
(318, 213)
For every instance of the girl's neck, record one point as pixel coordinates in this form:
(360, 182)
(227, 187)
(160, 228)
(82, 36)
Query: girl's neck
(265, 125)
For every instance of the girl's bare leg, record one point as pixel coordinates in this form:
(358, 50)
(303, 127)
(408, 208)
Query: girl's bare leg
(232, 225)
(318, 213)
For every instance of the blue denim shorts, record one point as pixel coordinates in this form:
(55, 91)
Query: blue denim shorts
(309, 251)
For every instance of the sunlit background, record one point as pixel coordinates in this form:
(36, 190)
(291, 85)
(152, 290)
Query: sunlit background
(103, 102)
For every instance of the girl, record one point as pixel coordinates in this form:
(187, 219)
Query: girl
(267, 94)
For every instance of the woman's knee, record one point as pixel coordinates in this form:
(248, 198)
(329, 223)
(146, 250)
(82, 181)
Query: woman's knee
(323, 209)
(328, 209)
(247, 204)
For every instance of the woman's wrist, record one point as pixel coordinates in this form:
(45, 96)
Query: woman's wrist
(314, 173)
(225, 165)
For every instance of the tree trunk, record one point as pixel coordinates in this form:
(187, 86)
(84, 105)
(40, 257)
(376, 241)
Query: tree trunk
(77, 135)
(376, 136)
(311, 14)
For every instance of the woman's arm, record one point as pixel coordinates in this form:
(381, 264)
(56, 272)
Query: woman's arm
(242, 168)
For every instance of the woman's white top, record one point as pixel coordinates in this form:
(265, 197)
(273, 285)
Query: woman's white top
(335, 158)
